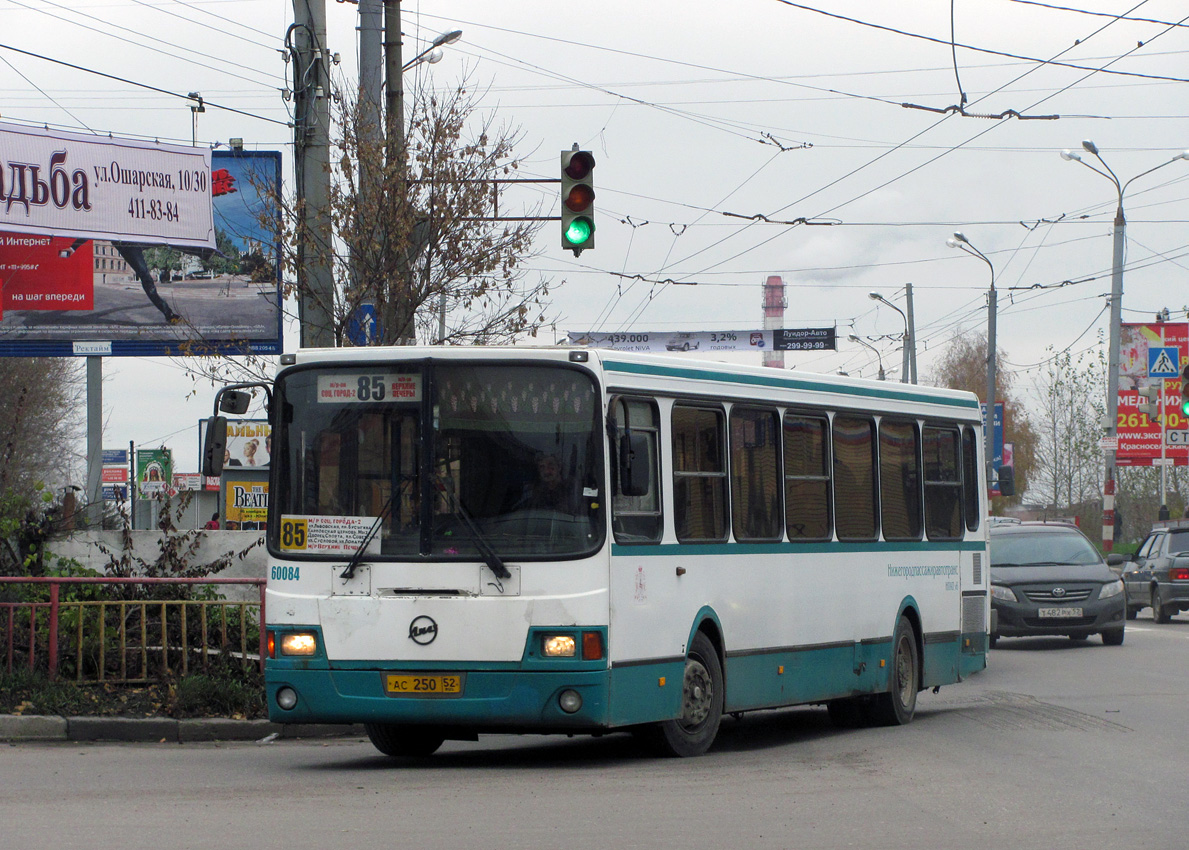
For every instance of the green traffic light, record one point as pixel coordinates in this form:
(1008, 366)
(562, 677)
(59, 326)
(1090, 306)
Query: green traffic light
(579, 230)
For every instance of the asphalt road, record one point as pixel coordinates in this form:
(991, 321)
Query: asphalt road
(1059, 744)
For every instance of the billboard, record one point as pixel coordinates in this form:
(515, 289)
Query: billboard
(780, 339)
(63, 295)
(249, 444)
(154, 472)
(1151, 354)
(55, 183)
(246, 506)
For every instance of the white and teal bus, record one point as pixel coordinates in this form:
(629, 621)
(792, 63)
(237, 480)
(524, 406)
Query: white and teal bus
(490, 540)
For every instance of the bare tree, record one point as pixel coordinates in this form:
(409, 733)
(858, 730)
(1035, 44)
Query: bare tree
(964, 367)
(41, 402)
(1071, 393)
(417, 232)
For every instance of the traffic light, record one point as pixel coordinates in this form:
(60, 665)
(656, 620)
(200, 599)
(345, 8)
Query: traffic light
(1185, 391)
(577, 200)
(1151, 407)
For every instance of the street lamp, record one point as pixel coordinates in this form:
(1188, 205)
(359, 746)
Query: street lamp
(861, 341)
(194, 110)
(909, 361)
(433, 53)
(1112, 390)
(958, 240)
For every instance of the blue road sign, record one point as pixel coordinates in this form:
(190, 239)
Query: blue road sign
(1162, 362)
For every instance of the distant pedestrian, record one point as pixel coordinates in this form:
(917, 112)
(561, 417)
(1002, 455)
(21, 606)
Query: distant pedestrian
(212, 524)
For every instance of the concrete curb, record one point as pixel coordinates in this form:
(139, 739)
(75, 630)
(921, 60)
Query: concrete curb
(18, 728)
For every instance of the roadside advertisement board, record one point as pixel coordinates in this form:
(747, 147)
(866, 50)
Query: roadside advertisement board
(154, 472)
(780, 339)
(249, 444)
(56, 183)
(1149, 353)
(123, 294)
(246, 505)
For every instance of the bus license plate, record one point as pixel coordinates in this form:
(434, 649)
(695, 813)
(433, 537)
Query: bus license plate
(423, 685)
(1058, 613)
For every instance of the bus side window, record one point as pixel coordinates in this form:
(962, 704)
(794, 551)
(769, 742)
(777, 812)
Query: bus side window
(755, 475)
(854, 478)
(971, 458)
(899, 480)
(943, 484)
(699, 474)
(806, 477)
(636, 519)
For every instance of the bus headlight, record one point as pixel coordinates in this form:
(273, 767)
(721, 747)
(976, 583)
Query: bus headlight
(287, 698)
(558, 646)
(299, 643)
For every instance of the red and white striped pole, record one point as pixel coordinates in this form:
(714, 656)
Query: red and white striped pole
(1108, 515)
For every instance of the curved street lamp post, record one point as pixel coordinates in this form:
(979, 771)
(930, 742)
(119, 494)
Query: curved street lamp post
(1112, 391)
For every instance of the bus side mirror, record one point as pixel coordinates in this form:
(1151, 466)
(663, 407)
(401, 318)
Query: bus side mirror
(1007, 481)
(234, 401)
(214, 445)
(633, 465)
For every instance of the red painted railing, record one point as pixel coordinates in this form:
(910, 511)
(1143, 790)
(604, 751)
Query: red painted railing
(55, 606)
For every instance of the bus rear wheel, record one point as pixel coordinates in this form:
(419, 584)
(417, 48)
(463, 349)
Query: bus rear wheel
(897, 705)
(701, 705)
(404, 741)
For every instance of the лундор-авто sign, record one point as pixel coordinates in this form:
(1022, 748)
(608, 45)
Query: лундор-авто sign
(55, 183)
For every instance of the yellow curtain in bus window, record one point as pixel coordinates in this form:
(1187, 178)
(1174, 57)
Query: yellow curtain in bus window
(247, 505)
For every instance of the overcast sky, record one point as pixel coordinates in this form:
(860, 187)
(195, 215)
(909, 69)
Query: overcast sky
(705, 119)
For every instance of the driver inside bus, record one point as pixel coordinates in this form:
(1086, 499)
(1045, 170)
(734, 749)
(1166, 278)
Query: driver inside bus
(552, 490)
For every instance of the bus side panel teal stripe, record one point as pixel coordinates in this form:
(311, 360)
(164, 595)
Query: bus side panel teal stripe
(813, 675)
(825, 547)
(638, 697)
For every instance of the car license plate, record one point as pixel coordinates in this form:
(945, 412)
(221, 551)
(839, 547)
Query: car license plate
(423, 684)
(1058, 613)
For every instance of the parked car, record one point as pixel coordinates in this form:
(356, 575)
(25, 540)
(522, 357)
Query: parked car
(1048, 579)
(1157, 575)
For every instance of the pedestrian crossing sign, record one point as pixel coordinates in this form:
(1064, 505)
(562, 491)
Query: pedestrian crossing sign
(1162, 362)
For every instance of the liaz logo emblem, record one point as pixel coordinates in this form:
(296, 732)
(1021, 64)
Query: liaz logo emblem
(423, 630)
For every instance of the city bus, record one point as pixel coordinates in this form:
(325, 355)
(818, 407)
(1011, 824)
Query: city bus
(473, 540)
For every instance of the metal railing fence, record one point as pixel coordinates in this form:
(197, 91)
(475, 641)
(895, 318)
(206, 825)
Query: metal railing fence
(128, 641)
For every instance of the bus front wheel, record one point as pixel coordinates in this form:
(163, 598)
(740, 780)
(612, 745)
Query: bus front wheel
(896, 705)
(409, 741)
(701, 705)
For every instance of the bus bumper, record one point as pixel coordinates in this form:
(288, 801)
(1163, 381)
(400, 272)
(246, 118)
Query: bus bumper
(491, 700)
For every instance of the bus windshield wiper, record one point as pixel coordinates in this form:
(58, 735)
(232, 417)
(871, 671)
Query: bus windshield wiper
(493, 561)
(357, 556)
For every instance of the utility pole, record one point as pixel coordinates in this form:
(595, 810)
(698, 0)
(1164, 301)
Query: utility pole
(911, 342)
(311, 141)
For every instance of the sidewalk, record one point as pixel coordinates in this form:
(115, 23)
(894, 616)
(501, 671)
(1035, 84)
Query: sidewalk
(18, 728)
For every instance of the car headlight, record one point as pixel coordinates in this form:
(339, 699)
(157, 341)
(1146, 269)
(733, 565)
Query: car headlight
(1113, 588)
(1003, 594)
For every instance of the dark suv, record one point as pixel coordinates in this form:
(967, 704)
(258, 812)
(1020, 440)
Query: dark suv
(1157, 575)
(1048, 579)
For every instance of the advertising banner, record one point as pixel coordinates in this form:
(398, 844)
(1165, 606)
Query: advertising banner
(247, 505)
(55, 183)
(1151, 355)
(249, 444)
(781, 339)
(154, 471)
(65, 296)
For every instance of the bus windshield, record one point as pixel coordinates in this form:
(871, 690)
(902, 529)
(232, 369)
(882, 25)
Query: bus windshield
(453, 460)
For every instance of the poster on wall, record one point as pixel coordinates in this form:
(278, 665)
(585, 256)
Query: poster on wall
(63, 295)
(1151, 355)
